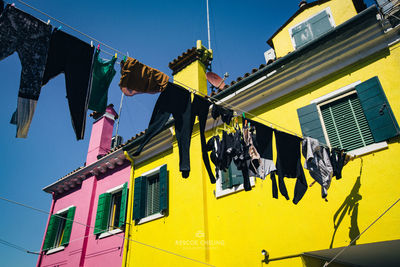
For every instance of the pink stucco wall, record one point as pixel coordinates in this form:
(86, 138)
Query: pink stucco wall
(85, 248)
(107, 251)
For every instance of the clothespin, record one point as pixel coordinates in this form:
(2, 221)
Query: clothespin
(244, 116)
(91, 43)
(116, 55)
(98, 47)
(13, 4)
(59, 27)
(124, 58)
(48, 22)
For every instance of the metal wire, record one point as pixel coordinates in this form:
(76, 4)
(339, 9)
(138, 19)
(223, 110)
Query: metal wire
(72, 28)
(116, 234)
(354, 240)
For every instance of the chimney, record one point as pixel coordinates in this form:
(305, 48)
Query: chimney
(190, 67)
(302, 3)
(102, 130)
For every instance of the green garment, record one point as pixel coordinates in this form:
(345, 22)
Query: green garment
(103, 73)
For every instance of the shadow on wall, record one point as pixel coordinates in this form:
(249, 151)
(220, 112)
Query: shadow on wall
(350, 205)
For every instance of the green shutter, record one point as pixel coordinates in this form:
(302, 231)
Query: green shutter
(68, 226)
(301, 34)
(320, 24)
(377, 111)
(310, 122)
(124, 199)
(51, 232)
(235, 175)
(139, 198)
(103, 210)
(345, 123)
(226, 180)
(163, 188)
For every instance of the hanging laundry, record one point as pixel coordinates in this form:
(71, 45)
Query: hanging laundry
(103, 73)
(249, 140)
(338, 159)
(73, 57)
(288, 164)
(200, 108)
(137, 78)
(226, 114)
(174, 100)
(318, 163)
(30, 37)
(242, 158)
(230, 147)
(262, 139)
(214, 145)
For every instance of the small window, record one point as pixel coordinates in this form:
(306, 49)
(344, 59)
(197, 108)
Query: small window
(345, 123)
(115, 211)
(312, 28)
(357, 118)
(151, 195)
(111, 210)
(59, 229)
(230, 181)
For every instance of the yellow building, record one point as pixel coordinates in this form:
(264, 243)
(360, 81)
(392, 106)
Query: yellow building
(335, 79)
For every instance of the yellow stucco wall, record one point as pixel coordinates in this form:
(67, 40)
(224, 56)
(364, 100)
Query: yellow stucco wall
(342, 10)
(232, 230)
(248, 222)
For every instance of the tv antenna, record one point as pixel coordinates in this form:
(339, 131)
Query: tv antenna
(208, 27)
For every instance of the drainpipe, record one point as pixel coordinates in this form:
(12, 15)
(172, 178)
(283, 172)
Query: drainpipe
(44, 236)
(127, 235)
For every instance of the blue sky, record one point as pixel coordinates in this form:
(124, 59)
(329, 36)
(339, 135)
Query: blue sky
(155, 32)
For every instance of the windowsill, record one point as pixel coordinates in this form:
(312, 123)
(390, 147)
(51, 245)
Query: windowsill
(151, 218)
(223, 192)
(368, 149)
(110, 233)
(54, 250)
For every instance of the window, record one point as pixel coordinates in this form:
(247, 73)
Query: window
(59, 229)
(151, 195)
(111, 211)
(354, 118)
(230, 181)
(312, 28)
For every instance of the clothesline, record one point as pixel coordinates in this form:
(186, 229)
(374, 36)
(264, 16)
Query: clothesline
(74, 29)
(178, 82)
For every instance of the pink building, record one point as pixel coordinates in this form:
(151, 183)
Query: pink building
(89, 205)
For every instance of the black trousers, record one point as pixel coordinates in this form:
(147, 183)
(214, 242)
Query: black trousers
(73, 57)
(173, 100)
(200, 108)
(288, 164)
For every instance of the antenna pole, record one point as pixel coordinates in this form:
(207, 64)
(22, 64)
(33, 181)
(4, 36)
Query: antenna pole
(208, 27)
(119, 113)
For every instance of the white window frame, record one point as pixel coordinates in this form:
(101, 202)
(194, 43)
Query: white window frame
(337, 94)
(328, 10)
(59, 248)
(219, 192)
(114, 231)
(157, 215)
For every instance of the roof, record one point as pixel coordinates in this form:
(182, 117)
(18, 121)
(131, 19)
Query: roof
(372, 254)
